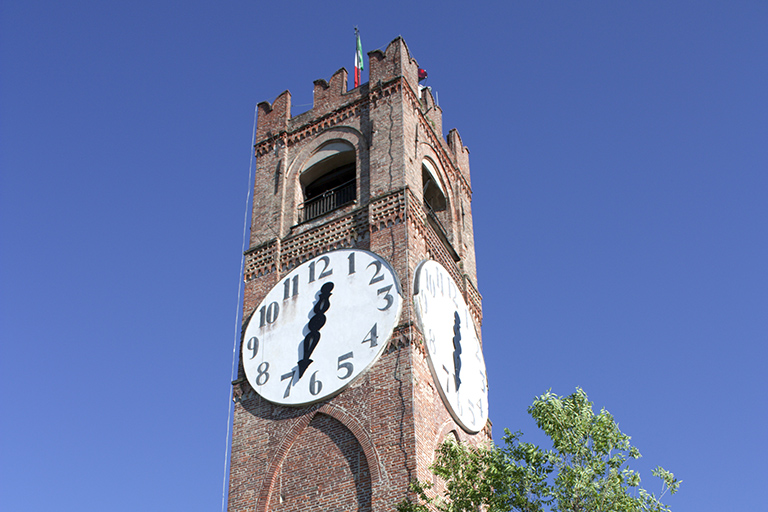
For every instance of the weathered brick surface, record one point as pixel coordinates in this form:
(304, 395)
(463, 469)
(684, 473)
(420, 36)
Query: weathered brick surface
(359, 449)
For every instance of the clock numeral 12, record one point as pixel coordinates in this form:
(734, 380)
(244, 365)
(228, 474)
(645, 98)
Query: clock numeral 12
(323, 273)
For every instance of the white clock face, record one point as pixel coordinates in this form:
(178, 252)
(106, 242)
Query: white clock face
(454, 353)
(321, 326)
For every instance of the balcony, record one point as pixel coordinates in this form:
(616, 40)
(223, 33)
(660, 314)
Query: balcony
(328, 201)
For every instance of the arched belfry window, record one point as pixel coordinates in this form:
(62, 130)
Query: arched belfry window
(434, 197)
(328, 179)
(435, 201)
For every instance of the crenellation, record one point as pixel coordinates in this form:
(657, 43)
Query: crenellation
(394, 62)
(392, 416)
(273, 118)
(432, 111)
(460, 152)
(327, 95)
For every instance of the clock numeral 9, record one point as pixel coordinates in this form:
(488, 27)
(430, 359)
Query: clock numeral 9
(315, 386)
(348, 367)
(253, 346)
(268, 314)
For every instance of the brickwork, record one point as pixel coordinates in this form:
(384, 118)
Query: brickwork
(359, 449)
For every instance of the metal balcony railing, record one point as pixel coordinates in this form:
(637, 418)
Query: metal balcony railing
(329, 200)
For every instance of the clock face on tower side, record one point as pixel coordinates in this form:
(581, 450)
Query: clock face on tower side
(321, 326)
(454, 353)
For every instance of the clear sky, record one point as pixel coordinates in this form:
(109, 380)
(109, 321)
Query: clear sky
(620, 173)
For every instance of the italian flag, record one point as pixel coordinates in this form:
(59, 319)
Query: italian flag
(358, 58)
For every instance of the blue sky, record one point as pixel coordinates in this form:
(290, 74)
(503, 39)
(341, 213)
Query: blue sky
(619, 170)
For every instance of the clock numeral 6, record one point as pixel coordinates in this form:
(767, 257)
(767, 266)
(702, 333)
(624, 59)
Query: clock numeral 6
(315, 386)
(253, 346)
(348, 367)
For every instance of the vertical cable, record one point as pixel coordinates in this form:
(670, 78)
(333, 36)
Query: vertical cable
(238, 307)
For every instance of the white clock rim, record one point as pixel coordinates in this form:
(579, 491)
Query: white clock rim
(399, 309)
(431, 364)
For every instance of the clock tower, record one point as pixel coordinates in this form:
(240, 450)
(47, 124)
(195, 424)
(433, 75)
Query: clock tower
(361, 348)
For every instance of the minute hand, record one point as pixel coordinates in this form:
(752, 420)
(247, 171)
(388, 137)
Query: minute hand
(457, 348)
(315, 324)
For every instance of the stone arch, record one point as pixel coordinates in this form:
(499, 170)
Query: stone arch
(349, 468)
(340, 134)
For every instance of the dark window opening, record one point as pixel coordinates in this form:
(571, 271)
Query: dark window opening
(434, 199)
(328, 185)
(436, 208)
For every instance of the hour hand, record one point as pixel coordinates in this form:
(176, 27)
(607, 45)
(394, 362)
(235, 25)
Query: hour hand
(310, 342)
(315, 324)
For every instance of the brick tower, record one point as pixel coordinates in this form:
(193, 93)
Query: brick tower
(364, 169)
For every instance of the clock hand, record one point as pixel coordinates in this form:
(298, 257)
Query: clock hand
(457, 348)
(315, 324)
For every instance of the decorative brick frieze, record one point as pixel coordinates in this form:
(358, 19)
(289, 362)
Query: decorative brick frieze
(359, 449)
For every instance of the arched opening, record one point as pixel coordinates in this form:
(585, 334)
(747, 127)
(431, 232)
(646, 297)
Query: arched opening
(436, 204)
(328, 180)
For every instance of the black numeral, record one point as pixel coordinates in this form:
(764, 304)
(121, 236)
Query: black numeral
(376, 276)
(388, 297)
(472, 410)
(253, 346)
(351, 263)
(288, 376)
(315, 386)
(372, 337)
(323, 273)
(431, 342)
(287, 288)
(268, 314)
(263, 371)
(347, 367)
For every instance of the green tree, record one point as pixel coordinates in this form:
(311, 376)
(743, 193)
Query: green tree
(586, 470)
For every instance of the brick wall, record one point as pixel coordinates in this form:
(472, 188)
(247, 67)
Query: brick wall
(359, 449)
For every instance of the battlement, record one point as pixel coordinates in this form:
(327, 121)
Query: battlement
(394, 62)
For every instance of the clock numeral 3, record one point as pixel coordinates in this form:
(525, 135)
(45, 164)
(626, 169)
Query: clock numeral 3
(348, 367)
(388, 297)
